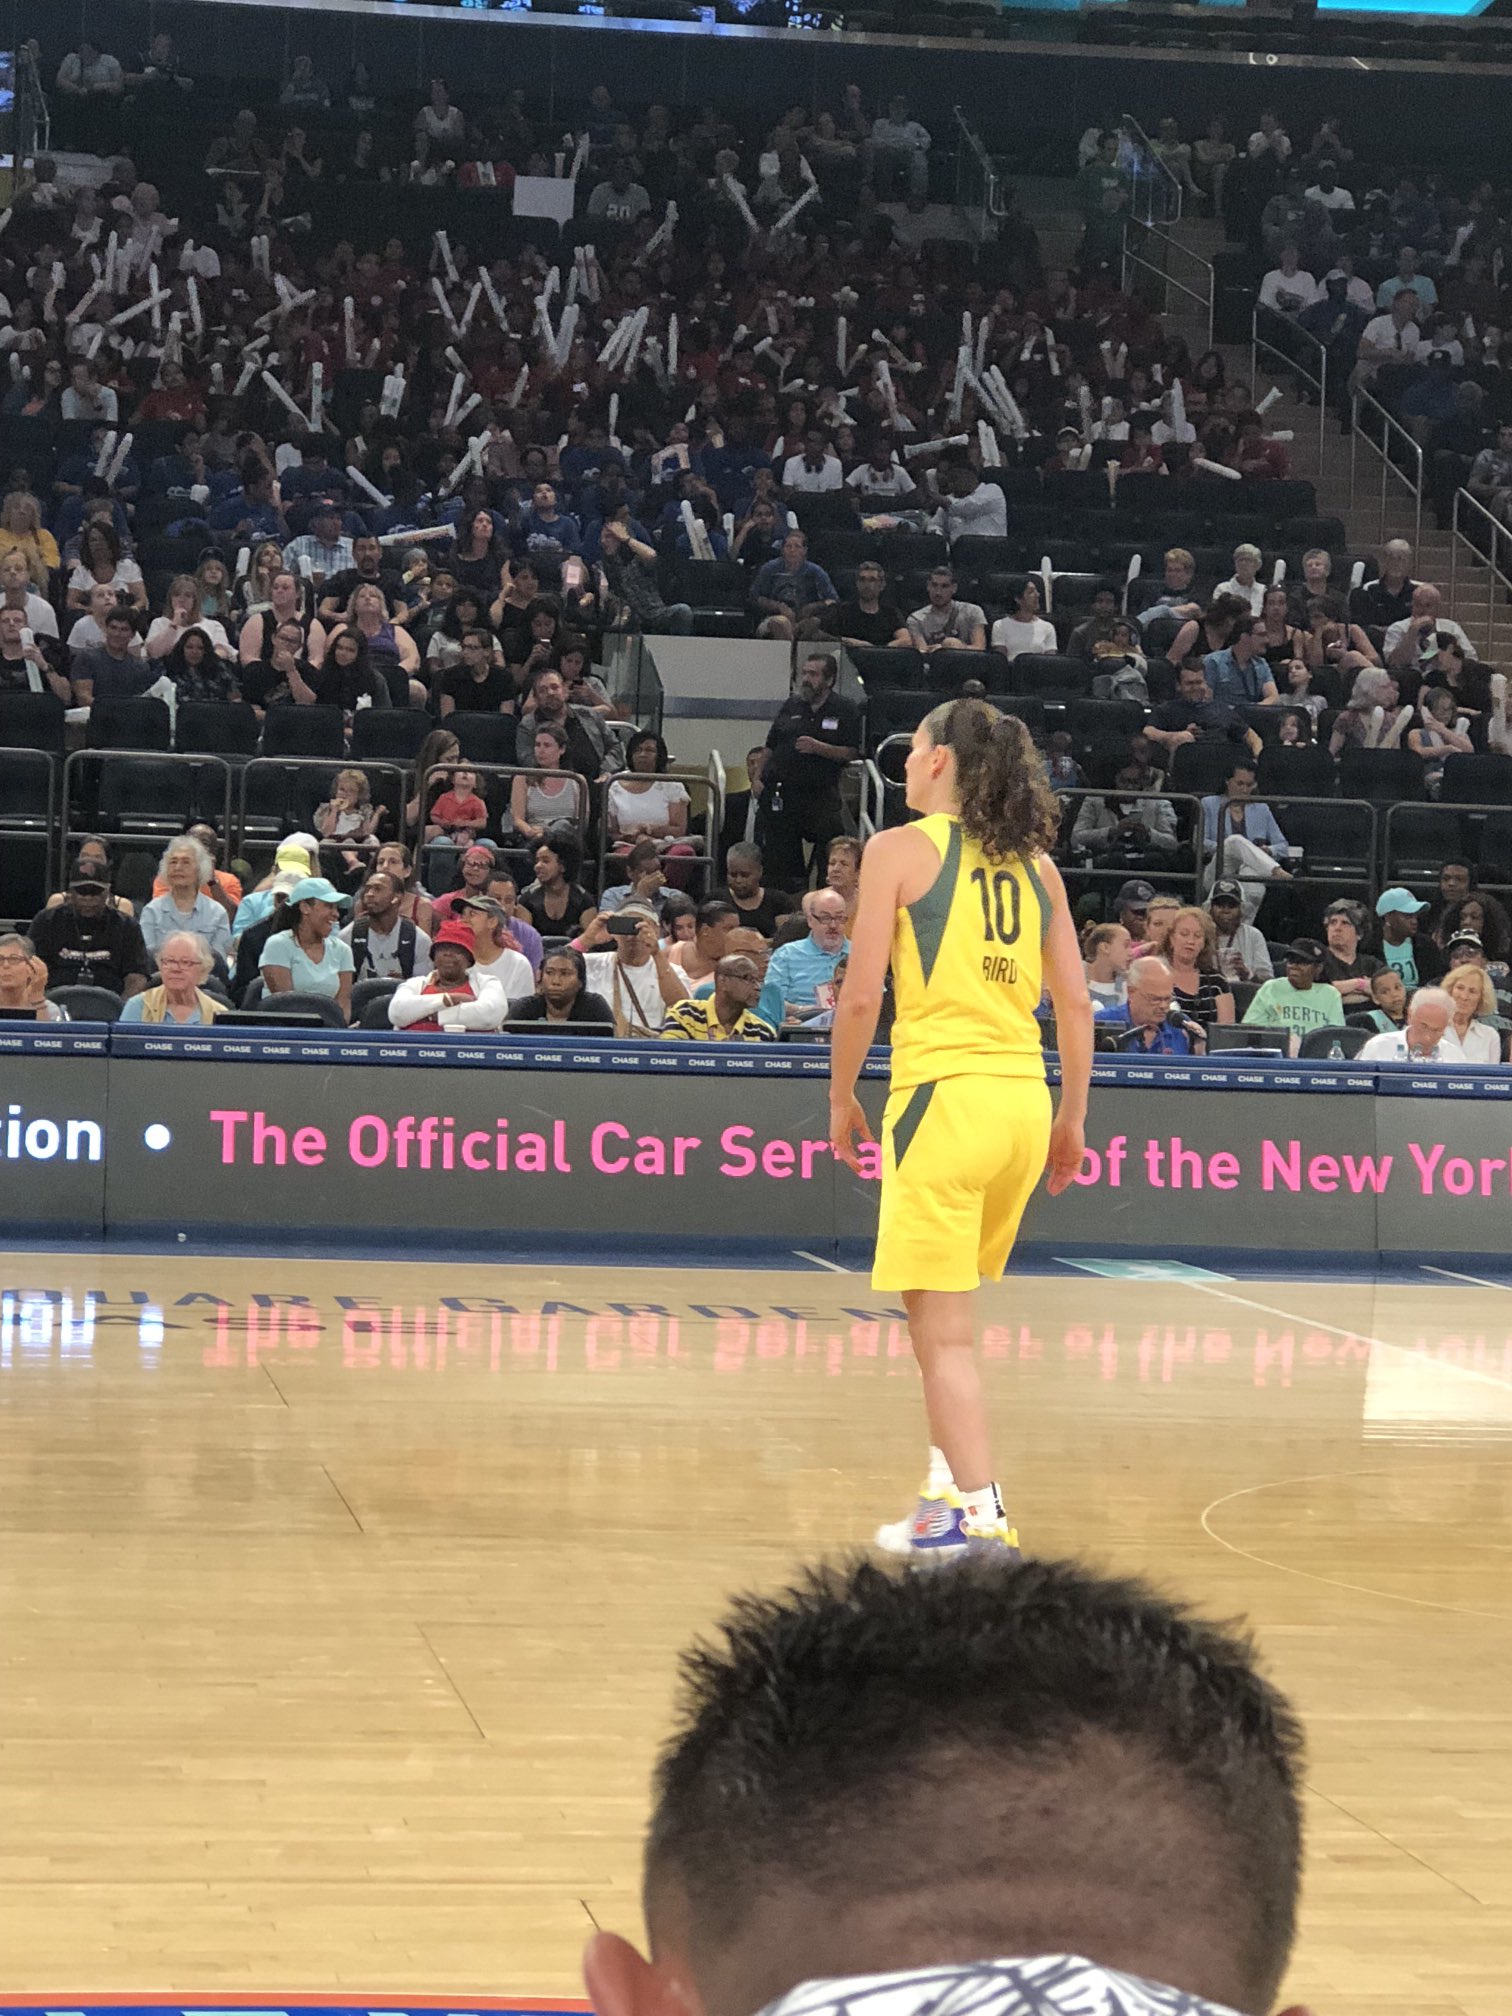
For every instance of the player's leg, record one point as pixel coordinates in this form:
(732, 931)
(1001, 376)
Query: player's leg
(942, 1330)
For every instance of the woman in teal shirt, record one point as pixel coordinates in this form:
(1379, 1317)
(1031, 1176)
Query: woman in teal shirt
(307, 957)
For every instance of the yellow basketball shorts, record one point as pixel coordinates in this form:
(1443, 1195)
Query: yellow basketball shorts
(960, 1159)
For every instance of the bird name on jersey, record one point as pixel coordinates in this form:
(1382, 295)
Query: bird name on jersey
(998, 970)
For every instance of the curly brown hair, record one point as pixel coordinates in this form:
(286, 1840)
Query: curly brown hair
(1007, 806)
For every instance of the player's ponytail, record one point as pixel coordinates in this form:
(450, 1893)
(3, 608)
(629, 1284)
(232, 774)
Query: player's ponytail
(1007, 806)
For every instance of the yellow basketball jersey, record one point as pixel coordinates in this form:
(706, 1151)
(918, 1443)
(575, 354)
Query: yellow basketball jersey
(967, 966)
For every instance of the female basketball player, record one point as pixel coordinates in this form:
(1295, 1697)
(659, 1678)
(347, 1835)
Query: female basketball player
(973, 916)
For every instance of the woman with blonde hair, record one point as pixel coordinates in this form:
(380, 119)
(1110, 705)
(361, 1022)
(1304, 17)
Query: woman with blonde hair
(1374, 717)
(181, 613)
(1106, 952)
(1191, 952)
(1158, 919)
(1470, 989)
(212, 577)
(22, 530)
(256, 586)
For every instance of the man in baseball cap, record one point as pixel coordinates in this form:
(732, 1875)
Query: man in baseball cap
(1242, 951)
(1418, 960)
(452, 995)
(1301, 1001)
(1131, 905)
(496, 951)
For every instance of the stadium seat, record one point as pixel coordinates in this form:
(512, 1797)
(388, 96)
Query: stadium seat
(365, 992)
(1321, 1043)
(32, 721)
(1201, 768)
(304, 731)
(1050, 672)
(1418, 838)
(947, 671)
(87, 1004)
(142, 723)
(1337, 841)
(300, 1004)
(395, 733)
(216, 728)
(146, 795)
(1477, 780)
(26, 787)
(485, 738)
(374, 1013)
(894, 711)
(1494, 853)
(887, 667)
(1303, 771)
(1384, 776)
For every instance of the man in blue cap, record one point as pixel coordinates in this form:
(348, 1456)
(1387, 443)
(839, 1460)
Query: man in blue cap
(1418, 960)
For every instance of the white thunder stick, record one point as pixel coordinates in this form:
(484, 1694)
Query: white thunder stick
(77, 312)
(278, 391)
(1047, 576)
(111, 248)
(355, 476)
(259, 250)
(443, 246)
(1010, 405)
(672, 347)
(618, 337)
(580, 157)
(140, 308)
(519, 385)
(491, 293)
(591, 272)
(217, 377)
(962, 374)
(614, 418)
(107, 449)
(933, 447)
(1135, 564)
(698, 539)
(472, 460)
(118, 462)
(889, 391)
(317, 394)
(442, 303)
(987, 441)
(1278, 574)
(841, 338)
(249, 371)
(562, 349)
(458, 381)
(1216, 469)
(663, 231)
(472, 399)
(737, 196)
(157, 294)
(983, 331)
(196, 316)
(349, 324)
(1272, 398)
(393, 393)
(637, 331)
(17, 369)
(173, 342)
(789, 216)
(94, 345)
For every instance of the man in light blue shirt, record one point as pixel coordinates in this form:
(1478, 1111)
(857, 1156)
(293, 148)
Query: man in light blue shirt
(1407, 275)
(325, 546)
(797, 972)
(1239, 676)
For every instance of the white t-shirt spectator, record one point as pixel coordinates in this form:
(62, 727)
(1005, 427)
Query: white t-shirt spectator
(86, 635)
(1013, 638)
(797, 475)
(869, 482)
(629, 809)
(416, 1000)
(1289, 293)
(102, 406)
(981, 515)
(1398, 631)
(633, 992)
(40, 618)
(511, 970)
(1337, 198)
(126, 576)
(382, 961)
(1382, 332)
(1254, 594)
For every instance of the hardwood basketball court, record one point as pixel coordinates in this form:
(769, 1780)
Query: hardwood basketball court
(341, 1600)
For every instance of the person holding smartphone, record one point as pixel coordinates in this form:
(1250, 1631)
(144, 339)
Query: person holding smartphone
(627, 964)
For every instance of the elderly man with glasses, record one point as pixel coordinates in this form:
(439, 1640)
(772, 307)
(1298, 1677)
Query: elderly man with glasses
(800, 979)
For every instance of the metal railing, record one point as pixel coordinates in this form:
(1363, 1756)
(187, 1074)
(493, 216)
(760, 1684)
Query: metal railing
(706, 784)
(1407, 860)
(871, 797)
(1299, 342)
(1394, 441)
(979, 185)
(145, 825)
(1149, 177)
(1488, 544)
(1198, 289)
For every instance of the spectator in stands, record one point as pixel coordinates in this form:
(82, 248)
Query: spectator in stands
(1239, 676)
(454, 995)
(325, 546)
(286, 605)
(184, 962)
(645, 879)
(817, 732)
(793, 595)
(1374, 717)
(634, 974)
(974, 509)
(1300, 1000)
(944, 624)
(800, 975)
(394, 859)
(86, 941)
(555, 902)
(385, 944)
(899, 147)
(696, 957)
(181, 613)
(842, 873)
(1490, 477)
(1248, 845)
(1388, 1001)
(587, 737)
(1484, 919)
(1474, 997)
(1194, 715)
(1426, 1037)
(1198, 985)
(1127, 826)
(866, 621)
(1345, 966)
(629, 588)
(728, 1014)
(479, 684)
(1456, 879)
(1407, 951)
(758, 907)
(23, 981)
(85, 398)
(1147, 1015)
(1288, 288)
(1024, 629)
(1413, 640)
(496, 948)
(564, 994)
(474, 865)
(1131, 907)
(22, 531)
(1389, 344)
(815, 470)
(16, 589)
(620, 199)
(1442, 731)
(1244, 584)
(1387, 599)
(306, 956)
(1240, 949)
(1106, 953)
(186, 867)
(646, 804)
(24, 665)
(1174, 602)
(114, 672)
(91, 73)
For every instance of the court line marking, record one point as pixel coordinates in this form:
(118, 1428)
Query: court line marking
(1329, 1581)
(1475, 1280)
(1346, 1330)
(829, 1266)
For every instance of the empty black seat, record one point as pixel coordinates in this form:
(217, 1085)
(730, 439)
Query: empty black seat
(1384, 776)
(1419, 839)
(141, 723)
(883, 666)
(216, 728)
(485, 738)
(1202, 768)
(392, 732)
(1051, 672)
(31, 721)
(948, 671)
(1303, 770)
(1337, 842)
(304, 731)
(1477, 780)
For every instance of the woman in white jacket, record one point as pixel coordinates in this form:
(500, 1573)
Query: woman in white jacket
(451, 995)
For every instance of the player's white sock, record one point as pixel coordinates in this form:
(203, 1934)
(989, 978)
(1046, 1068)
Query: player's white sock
(940, 1479)
(983, 1508)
